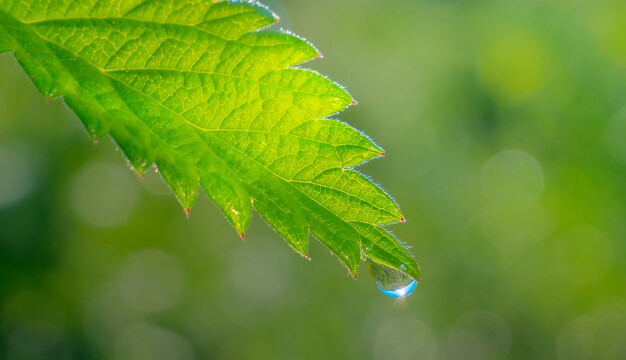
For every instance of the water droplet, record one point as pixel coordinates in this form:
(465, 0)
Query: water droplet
(391, 282)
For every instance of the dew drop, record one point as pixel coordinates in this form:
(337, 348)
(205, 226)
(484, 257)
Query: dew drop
(391, 282)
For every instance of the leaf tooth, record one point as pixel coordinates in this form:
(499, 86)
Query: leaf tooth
(182, 179)
(94, 120)
(351, 146)
(287, 219)
(381, 246)
(227, 19)
(139, 157)
(351, 196)
(232, 19)
(44, 76)
(310, 91)
(227, 192)
(341, 239)
(279, 49)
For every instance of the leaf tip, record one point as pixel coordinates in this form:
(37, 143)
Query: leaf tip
(402, 219)
(354, 102)
(242, 235)
(320, 55)
(187, 212)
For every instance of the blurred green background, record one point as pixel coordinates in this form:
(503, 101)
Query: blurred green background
(504, 125)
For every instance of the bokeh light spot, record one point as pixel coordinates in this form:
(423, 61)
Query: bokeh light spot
(107, 314)
(148, 342)
(16, 180)
(607, 23)
(598, 335)
(151, 280)
(104, 195)
(258, 271)
(405, 339)
(479, 335)
(512, 179)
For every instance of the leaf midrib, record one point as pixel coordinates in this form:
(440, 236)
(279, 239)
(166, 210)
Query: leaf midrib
(259, 165)
(192, 71)
(105, 72)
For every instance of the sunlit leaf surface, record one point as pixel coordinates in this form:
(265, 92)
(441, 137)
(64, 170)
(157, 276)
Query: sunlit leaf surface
(197, 89)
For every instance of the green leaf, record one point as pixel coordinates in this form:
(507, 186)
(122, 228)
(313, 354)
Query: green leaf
(197, 89)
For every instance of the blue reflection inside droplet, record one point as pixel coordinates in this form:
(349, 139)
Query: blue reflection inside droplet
(401, 292)
(391, 282)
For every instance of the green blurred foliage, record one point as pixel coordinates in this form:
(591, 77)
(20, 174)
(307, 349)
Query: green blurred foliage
(504, 125)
